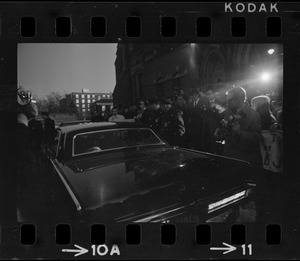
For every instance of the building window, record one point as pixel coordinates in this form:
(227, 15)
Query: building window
(83, 110)
(82, 100)
(88, 96)
(77, 96)
(77, 100)
(83, 105)
(82, 95)
(93, 100)
(88, 101)
(103, 107)
(93, 96)
(77, 105)
(99, 97)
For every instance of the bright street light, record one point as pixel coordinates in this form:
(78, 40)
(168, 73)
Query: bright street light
(271, 51)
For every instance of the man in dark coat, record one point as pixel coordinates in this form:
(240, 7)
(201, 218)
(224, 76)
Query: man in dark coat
(172, 124)
(152, 115)
(211, 119)
(97, 117)
(195, 124)
(49, 129)
(35, 130)
(181, 106)
(244, 127)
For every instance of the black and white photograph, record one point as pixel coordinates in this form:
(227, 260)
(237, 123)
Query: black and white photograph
(151, 130)
(159, 133)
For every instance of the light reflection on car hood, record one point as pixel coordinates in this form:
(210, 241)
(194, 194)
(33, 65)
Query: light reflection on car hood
(179, 176)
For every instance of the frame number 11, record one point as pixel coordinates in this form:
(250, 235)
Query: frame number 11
(245, 248)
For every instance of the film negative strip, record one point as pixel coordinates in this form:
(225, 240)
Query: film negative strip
(149, 130)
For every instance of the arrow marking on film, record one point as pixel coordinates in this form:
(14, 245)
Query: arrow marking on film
(228, 249)
(79, 251)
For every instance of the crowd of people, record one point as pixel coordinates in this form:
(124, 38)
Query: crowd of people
(35, 135)
(227, 124)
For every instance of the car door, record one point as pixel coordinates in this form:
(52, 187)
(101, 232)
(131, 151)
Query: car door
(62, 203)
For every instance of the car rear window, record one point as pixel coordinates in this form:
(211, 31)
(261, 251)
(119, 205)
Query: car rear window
(92, 142)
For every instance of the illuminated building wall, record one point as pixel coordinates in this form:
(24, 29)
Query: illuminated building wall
(148, 70)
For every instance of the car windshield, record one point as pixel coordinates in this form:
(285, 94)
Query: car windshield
(95, 141)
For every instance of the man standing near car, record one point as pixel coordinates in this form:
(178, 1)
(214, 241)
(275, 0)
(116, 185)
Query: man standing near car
(172, 124)
(35, 129)
(244, 126)
(242, 137)
(152, 115)
(49, 129)
(116, 117)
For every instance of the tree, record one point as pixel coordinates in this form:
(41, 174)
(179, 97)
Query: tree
(53, 102)
(41, 104)
(66, 105)
(50, 104)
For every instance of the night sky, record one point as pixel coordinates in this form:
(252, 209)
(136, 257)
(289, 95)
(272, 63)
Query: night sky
(45, 68)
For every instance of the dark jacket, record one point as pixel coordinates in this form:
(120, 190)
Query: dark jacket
(35, 129)
(172, 126)
(49, 131)
(152, 118)
(23, 153)
(246, 145)
(97, 118)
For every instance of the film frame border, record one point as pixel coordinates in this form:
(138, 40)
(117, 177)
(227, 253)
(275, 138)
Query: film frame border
(10, 36)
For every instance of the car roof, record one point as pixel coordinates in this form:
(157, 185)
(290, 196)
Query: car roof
(97, 125)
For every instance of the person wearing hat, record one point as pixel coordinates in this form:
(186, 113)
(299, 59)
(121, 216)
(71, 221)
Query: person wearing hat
(172, 124)
(152, 115)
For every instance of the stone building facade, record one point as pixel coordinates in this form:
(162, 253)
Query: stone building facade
(149, 70)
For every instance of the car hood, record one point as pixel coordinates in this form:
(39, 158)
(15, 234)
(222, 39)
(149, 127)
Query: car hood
(164, 176)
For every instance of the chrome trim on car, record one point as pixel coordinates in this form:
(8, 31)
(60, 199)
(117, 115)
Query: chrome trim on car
(140, 216)
(166, 219)
(213, 206)
(76, 202)
(58, 142)
(117, 129)
(148, 219)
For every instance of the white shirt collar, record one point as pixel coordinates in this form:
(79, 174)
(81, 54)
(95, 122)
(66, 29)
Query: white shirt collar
(22, 119)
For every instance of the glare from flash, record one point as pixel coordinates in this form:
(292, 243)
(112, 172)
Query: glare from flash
(265, 77)
(271, 51)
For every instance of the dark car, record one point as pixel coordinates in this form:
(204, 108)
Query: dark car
(123, 172)
(62, 124)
